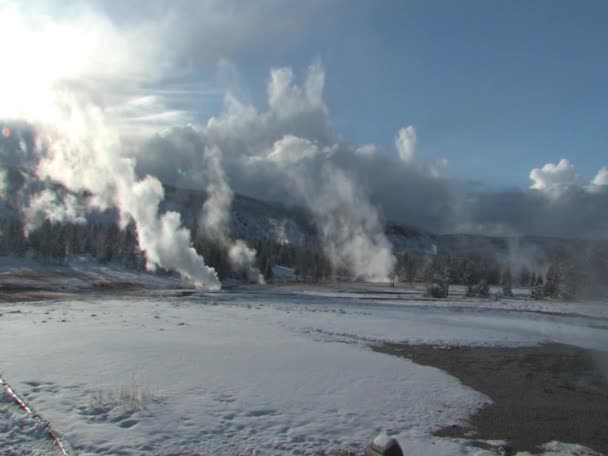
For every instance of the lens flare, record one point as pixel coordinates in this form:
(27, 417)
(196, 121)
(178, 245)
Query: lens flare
(6, 132)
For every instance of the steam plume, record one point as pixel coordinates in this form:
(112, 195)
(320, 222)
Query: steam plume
(287, 153)
(56, 84)
(2, 183)
(47, 205)
(351, 231)
(216, 213)
(87, 158)
(406, 143)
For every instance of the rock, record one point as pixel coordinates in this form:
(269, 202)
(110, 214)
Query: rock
(383, 445)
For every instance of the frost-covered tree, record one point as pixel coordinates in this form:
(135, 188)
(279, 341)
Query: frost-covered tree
(562, 278)
(506, 282)
(524, 276)
(438, 278)
(481, 289)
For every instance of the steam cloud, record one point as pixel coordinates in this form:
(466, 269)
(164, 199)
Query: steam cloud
(47, 205)
(2, 184)
(406, 143)
(216, 216)
(87, 158)
(77, 143)
(90, 116)
(286, 153)
(352, 233)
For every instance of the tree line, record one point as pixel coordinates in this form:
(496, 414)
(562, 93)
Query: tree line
(568, 272)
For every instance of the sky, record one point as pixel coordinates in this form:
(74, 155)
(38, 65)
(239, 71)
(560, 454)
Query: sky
(496, 88)
(476, 116)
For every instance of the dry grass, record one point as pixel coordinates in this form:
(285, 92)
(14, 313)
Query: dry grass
(134, 395)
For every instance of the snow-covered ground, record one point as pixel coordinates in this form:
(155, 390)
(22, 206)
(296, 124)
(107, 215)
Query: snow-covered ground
(77, 275)
(260, 371)
(20, 433)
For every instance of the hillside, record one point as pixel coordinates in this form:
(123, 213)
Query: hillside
(288, 236)
(255, 220)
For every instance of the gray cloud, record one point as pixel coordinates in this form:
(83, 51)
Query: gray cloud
(403, 190)
(285, 153)
(575, 212)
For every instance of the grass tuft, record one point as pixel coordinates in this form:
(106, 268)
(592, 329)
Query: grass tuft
(134, 396)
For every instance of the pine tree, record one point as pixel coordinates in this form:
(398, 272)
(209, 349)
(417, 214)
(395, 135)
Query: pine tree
(505, 282)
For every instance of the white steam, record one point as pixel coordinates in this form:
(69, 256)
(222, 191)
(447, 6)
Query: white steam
(352, 233)
(216, 217)
(59, 77)
(291, 139)
(47, 205)
(82, 152)
(286, 99)
(3, 184)
(288, 152)
(80, 93)
(406, 144)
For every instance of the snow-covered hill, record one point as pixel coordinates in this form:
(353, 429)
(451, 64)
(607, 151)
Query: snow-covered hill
(255, 220)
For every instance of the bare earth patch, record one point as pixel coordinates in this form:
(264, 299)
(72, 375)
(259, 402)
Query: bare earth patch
(541, 393)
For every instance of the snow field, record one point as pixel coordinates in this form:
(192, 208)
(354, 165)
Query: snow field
(252, 372)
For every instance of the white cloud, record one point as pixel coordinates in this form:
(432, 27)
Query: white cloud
(285, 98)
(555, 178)
(601, 178)
(85, 50)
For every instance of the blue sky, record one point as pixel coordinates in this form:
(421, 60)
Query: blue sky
(497, 88)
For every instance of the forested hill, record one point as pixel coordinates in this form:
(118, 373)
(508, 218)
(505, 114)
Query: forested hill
(288, 236)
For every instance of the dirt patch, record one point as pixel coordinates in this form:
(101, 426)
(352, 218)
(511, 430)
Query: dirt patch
(115, 285)
(33, 275)
(542, 393)
(31, 294)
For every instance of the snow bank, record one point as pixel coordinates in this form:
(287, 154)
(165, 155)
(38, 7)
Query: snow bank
(20, 433)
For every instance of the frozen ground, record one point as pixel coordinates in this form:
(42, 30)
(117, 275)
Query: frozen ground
(260, 371)
(34, 279)
(22, 434)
